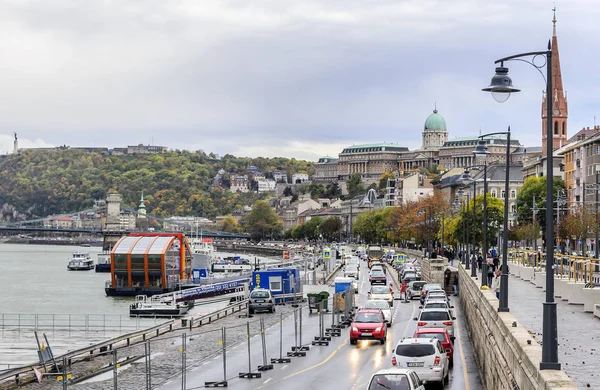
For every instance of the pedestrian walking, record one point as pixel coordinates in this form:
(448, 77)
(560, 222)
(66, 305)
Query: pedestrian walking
(496, 283)
(404, 290)
(490, 271)
(455, 285)
(479, 262)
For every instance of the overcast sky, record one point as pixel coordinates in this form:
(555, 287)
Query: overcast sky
(292, 78)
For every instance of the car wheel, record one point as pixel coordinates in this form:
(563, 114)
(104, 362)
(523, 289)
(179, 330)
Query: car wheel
(383, 340)
(451, 363)
(272, 309)
(352, 341)
(251, 311)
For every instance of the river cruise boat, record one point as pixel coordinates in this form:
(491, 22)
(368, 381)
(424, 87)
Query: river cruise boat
(232, 264)
(81, 261)
(157, 306)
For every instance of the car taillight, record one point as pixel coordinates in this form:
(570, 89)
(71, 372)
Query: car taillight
(436, 361)
(421, 323)
(270, 301)
(448, 323)
(394, 361)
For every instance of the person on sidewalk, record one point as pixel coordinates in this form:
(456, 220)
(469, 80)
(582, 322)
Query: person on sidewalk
(496, 284)
(455, 285)
(490, 271)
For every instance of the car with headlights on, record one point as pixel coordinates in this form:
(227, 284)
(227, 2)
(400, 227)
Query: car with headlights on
(381, 305)
(382, 293)
(368, 324)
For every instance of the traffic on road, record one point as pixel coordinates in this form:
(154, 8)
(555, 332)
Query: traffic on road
(399, 338)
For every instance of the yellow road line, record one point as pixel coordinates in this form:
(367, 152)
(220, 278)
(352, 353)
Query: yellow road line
(462, 356)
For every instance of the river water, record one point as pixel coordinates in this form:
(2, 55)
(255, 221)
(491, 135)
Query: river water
(36, 290)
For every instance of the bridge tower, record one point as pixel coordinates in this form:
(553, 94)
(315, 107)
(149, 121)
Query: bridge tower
(113, 211)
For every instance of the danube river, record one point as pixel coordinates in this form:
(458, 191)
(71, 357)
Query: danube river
(37, 291)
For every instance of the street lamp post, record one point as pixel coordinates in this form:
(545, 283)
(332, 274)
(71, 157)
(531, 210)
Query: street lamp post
(596, 227)
(501, 87)
(481, 151)
(535, 210)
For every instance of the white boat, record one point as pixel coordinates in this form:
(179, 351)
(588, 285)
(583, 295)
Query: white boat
(103, 263)
(157, 306)
(81, 261)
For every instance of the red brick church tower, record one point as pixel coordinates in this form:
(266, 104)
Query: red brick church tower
(560, 110)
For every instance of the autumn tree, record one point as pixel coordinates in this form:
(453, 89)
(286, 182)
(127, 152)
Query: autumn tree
(229, 224)
(262, 221)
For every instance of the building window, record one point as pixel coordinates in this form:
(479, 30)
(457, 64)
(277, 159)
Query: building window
(513, 194)
(555, 128)
(502, 194)
(563, 128)
(275, 283)
(493, 193)
(513, 208)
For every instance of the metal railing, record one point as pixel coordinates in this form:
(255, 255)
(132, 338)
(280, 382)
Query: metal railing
(576, 268)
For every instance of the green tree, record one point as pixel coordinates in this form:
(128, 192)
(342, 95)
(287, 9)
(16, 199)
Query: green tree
(288, 191)
(262, 221)
(229, 224)
(331, 227)
(535, 188)
(383, 180)
(354, 185)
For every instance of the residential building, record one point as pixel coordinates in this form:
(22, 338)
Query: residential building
(326, 170)
(298, 178)
(411, 188)
(145, 149)
(59, 222)
(185, 224)
(290, 213)
(280, 176)
(266, 185)
(577, 170)
(239, 183)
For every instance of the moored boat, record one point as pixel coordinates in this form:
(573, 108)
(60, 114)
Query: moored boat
(80, 261)
(157, 306)
(103, 263)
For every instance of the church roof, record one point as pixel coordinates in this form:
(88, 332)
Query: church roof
(435, 122)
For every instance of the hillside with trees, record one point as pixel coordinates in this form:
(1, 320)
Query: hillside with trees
(38, 183)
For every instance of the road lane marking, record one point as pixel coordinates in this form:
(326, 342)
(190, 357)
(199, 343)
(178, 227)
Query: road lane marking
(328, 358)
(409, 320)
(267, 381)
(462, 357)
(284, 367)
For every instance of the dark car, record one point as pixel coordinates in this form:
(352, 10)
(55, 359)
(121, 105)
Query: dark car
(378, 277)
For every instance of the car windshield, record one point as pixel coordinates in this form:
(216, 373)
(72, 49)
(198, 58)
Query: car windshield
(380, 290)
(428, 287)
(435, 305)
(439, 336)
(377, 273)
(436, 296)
(415, 350)
(259, 294)
(389, 382)
(383, 305)
(435, 316)
(417, 286)
(368, 317)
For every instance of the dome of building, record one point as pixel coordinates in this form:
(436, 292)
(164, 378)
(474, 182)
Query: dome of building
(435, 122)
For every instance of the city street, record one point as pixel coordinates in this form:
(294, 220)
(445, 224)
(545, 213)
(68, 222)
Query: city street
(339, 365)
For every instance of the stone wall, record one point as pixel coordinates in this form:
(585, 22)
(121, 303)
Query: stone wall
(507, 355)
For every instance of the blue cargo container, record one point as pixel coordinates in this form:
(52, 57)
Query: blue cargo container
(342, 284)
(279, 281)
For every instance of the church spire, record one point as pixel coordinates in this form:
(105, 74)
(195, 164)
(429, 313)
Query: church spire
(560, 110)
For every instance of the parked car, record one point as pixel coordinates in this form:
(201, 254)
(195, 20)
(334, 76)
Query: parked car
(395, 378)
(381, 305)
(368, 324)
(436, 318)
(426, 356)
(261, 299)
(414, 288)
(440, 334)
(383, 293)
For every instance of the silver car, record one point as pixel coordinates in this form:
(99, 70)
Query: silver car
(261, 299)
(383, 305)
(436, 318)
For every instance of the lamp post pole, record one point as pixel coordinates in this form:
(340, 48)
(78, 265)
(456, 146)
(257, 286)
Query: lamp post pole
(501, 87)
(596, 225)
(485, 215)
(468, 257)
(474, 259)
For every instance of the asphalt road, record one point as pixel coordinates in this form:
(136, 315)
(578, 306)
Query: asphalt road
(339, 365)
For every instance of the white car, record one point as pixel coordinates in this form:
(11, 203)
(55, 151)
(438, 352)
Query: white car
(351, 272)
(425, 356)
(436, 318)
(438, 304)
(382, 293)
(395, 378)
(383, 305)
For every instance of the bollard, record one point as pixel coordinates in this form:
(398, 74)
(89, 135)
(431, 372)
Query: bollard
(249, 374)
(222, 383)
(264, 366)
(281, 359)
(64, 373)
(148, 362)
(115, 367)
(183, 361)
(302, 347)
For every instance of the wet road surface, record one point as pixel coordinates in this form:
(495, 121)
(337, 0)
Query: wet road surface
(339, 365)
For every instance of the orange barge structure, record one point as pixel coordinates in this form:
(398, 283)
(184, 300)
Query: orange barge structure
(149, 264)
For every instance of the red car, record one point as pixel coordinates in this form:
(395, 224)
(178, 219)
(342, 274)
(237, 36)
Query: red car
(368, 324)
(440, 334)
